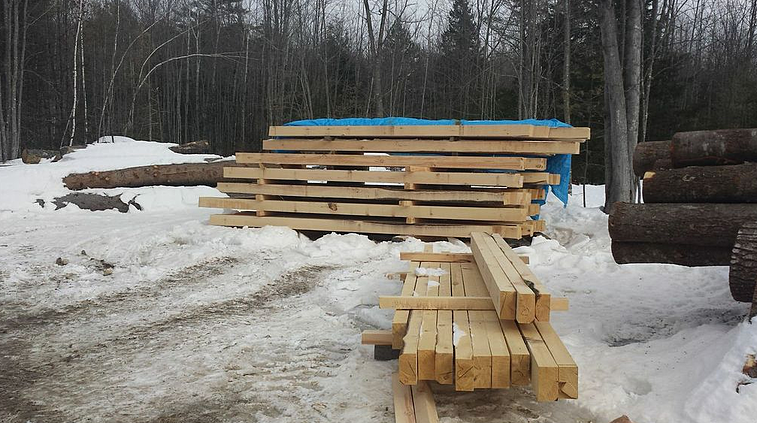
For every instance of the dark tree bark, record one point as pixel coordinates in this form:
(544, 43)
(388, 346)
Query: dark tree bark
(721, 147)
(651, 155)
(708, 225)
(743, 272)
(186, 174)
(703, 184)
(684, 255)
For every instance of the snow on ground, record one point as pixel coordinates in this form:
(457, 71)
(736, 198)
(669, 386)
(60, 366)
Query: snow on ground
(204, 323)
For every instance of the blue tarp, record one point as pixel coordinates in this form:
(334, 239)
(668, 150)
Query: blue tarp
(559, 163)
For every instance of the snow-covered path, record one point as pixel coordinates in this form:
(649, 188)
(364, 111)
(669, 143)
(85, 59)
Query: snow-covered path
(202, 323)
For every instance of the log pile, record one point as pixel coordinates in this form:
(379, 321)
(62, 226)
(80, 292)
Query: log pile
(700, 206)
(422, 181)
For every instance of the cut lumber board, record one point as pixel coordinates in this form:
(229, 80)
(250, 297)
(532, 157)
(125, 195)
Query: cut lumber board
(445, 257)
(424, 404)
(442, 131)
(499, 352)
(338, 225)
(427, 341)
(447, 162)
(525, 299)
(544, 369)
(502, 292)
(543, 300)
(559, 304)
(425, 146)
(461, 335)
(567, 373)
(370, 210)
(681, 254)
(444, 358)
(435, 303)
(513, 180)
(520, 358)
(719, 147)
(408, 361)
(376, 337)
(702, 184)
(703, 224)
(651, 155)
(401, 317)
(482, 356)
(404, 409)
(509, 197)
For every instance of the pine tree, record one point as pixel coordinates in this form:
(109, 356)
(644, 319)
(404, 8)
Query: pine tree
(460, 59)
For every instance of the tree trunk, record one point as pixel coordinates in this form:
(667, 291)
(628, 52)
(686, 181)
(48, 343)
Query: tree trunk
(186, 174)
(706, 148)
(743, 272)
(651, 155)
(684, 255)
(703, 184)
(566, 64)
(708, 225)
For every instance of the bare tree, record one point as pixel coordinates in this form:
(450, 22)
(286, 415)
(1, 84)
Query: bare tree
(11, 93)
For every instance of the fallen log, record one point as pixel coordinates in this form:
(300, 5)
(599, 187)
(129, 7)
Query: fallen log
(94, 202)
(186, 174)
(743, 272)
(684, 255)
(720, 147)
(713, 225)
(194, 147)
(651, 155)
(702, 184)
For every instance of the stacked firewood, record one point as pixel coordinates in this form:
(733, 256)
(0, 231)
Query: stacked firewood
(700, 206)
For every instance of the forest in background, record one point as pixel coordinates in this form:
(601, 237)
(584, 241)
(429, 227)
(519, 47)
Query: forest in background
(224, 70)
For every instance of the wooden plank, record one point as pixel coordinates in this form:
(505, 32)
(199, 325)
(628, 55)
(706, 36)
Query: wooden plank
(539, 178)
(435, 303)
(408, 361)
(437, 257)
(404, 409)
(544, 370)
(345, 226)
(513, 180)
(371, 210)
(559, 304)
(443, 131)
(425, 406)
(427, 342)
(401, 317)
(482, 356)
(376, 337)
(520, 358)
(447, 162)
(525, 303)
(425, 146)
(567, 374)
(501, 290)
(463, 347)
(444, 359)
(499, 352)
(543, 303)
(511, 197)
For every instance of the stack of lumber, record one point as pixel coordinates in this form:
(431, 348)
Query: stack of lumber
(425, 181)
(478, 321)
(700, 195)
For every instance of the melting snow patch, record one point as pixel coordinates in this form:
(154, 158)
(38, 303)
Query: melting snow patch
(427, 271)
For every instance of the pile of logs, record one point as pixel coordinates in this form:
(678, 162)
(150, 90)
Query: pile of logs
(700, 206)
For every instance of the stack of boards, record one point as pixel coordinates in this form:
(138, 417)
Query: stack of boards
(478, 321)
(423, 181)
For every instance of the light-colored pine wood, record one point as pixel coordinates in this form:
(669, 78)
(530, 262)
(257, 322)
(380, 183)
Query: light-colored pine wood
(501, 290)
(399, 321)
(559, 304)
(427, 342)
(525, 303)
(344, 226)
(541, 178)
(508, 197)
(461, 335)
(435, 303)
(444, 357)
(447, 162)
(520, 358)
(426, 146)
(543, 303)
(441, 131)
(404, 408)
(425, 406)
(544, 370)
(376, 337)
(370, 210)
(482, 356)
(567, 375)
(408, 360)
(437, 257)
(513, 180)
(499, 352)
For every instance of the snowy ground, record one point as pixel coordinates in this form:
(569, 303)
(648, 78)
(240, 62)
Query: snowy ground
(202, 323)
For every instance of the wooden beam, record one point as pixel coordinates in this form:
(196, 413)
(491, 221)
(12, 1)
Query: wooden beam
(464, 372)
(499, 352)
(408, 361)
(543, 302)
(447, 162)
(376, 337)
(558, 304)
(401, 317)
(502, 292)
(544, 370)
(427, 341)
(444, 358)
(437, 257)
(404, 409)
(513, 180)
(525, 303)
(425, 146)
(567, 374)
(507, 197)
(435, 303)
(425, 406)
(358, 226)
(482, 356)
(442, 131)
(520, 358)
(370, 210)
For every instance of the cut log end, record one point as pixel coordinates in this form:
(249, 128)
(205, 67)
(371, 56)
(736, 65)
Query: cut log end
(742, 277)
